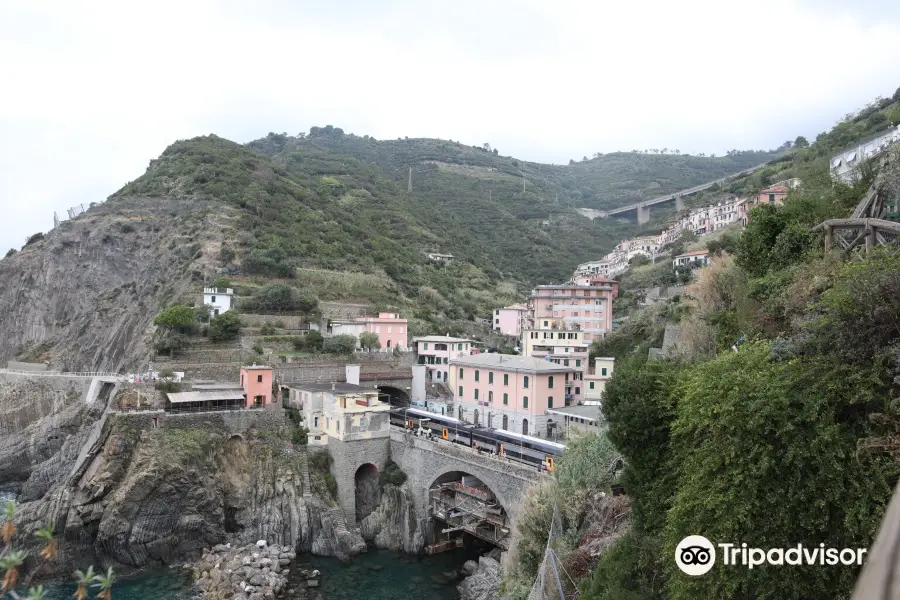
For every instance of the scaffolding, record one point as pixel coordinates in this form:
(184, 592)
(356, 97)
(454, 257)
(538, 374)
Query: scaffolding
(471, 509)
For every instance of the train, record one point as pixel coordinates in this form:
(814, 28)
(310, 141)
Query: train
(523, 448)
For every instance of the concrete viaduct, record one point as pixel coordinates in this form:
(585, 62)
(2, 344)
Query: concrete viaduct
(643, 208)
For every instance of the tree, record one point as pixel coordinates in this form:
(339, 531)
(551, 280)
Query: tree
(486, 146)
(369, 341)
(12, 560)
(203, 312)
(34, 238)
(179, 318)
(314, 340)
(226, 326)
(10, 252)
(220, 282)
(801, 142)
(896, 96)
(340, 344)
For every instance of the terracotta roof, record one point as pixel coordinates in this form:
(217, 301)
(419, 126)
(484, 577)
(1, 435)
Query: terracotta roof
(693, 253)
(775, 189)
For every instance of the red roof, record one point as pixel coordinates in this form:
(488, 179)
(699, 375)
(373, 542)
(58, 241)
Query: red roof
(776, 189)
(693, 253)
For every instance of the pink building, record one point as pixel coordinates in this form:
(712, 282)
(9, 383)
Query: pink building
(436, 352)
(510, 320)
(587, 308)
(257, 383)
(508, 392)
(390, 329)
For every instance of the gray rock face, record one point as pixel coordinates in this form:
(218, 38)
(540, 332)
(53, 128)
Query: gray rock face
(393, 525)
(155, 495)
(84, 297)
(483, 583)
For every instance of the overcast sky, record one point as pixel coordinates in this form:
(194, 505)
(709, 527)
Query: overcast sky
(91, 91)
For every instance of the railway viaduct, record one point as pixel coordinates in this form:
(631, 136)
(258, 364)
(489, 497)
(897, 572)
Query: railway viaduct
(425, 462)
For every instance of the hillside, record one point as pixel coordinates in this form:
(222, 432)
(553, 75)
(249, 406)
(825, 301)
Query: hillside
(328, 213)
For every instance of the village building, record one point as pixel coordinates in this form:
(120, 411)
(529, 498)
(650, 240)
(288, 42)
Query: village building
(563, 345)
(510, 320)
(220, 300)
(443, 259)
(339, 411)
(694, 258)
(436, 352)
(572, 421)
(844, 165)
(596, 377)
(256, 380)
(587, 308)
(390, 328)
(508, 392)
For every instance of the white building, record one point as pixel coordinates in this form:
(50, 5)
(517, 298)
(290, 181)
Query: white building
(595, 379)
(220, 299)
(339, 411)
(845, 163)
(695, 258)
(444, 259)
(436, 352)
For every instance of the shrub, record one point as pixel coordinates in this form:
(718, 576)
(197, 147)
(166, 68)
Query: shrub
(32, 239)
(392, 474)
(258, 348)
(340, 344)
(314, 340)
(267, 329)
(10, 252)
(300, 436)
(299, 342)
(226, 326)
(179, 318)
(168, 387)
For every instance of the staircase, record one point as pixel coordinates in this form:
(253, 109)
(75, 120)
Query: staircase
(303, 461)
(340, 522)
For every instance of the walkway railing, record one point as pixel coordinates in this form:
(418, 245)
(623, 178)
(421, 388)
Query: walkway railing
(63, 373)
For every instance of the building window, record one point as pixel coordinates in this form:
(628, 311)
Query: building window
(476, 374)
(259, 379)
(459, 346)
(316, 421)
(505, 398)
(476, 393)
(506, 379)
(524, 401)
(490, 377)
(577, 390)
(526, 382)
(550, 380)
(460, 373)
(425, 346)
(212, 299)
(490, 396)
(460, 392)
(771, 199)
(566, 363)
(603, 372)
(549, 401)
(577, 363)
(505, 422)
(591, 385)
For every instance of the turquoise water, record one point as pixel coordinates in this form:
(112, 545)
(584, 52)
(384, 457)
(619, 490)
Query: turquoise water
(376, 575)
(382, 575)
(169, 584)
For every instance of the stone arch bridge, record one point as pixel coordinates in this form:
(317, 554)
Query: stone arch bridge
(425, 462)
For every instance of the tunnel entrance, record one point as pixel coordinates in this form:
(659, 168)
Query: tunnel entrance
(463, 504)
(368, 492)
(394, 395)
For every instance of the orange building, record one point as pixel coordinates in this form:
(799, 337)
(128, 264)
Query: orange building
(257, 383)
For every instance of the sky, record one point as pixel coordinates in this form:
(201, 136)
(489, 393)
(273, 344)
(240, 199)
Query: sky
(93, 90)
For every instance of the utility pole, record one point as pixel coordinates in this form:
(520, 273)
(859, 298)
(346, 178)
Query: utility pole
(409, 187)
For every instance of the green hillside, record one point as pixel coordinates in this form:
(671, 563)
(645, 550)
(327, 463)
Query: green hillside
(331, 213)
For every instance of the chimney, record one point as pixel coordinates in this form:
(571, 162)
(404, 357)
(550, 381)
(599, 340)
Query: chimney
(333, 385)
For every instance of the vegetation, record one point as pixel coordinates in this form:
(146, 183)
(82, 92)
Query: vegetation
(12, 561)
(791, 439)
(226, 326)
(392, 474)
(369, 341)
(323, 481)
(340, 344)
(329, 216)
(313, 341)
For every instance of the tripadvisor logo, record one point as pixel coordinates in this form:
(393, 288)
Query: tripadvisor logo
(696, 555)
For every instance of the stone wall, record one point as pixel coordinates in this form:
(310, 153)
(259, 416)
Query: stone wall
(348, 458)
(229, 422)
(288, 321)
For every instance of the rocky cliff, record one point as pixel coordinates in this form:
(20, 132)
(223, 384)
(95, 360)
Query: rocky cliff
(83, 298)
(393, 525)
(153, 489)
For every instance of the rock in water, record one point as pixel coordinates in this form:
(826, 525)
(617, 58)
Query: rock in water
(483, 583)
(261, 544)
